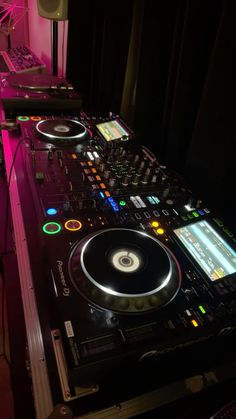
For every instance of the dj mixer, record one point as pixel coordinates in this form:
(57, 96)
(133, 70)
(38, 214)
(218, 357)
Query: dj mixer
(126, 263)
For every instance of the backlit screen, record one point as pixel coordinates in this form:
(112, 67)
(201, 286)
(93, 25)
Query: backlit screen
(111, 130)
(208, 248)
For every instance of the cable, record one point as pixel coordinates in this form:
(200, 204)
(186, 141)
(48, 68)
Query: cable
(8, 198)
(63, 46)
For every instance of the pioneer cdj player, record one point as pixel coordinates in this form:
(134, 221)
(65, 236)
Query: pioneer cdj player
(126, 263)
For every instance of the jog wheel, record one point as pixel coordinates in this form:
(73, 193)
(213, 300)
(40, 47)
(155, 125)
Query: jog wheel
(62, 132)
(124, 270)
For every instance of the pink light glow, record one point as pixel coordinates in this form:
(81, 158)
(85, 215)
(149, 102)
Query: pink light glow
(40, 37)
(14, 12)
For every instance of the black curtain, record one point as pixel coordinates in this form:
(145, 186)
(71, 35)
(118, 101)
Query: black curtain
(98, 42)
(177, 59)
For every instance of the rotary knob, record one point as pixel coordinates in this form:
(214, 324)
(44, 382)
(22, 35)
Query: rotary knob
(107, 174)
(141, 166)
(125, 180)
(102, 167)
(112, 182)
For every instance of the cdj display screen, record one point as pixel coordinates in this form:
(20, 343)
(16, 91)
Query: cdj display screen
(112, 130)
(208, 248)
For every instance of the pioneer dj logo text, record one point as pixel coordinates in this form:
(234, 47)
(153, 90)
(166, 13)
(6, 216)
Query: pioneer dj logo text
(66, 289)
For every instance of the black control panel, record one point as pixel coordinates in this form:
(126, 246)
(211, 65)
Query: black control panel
(135, 264)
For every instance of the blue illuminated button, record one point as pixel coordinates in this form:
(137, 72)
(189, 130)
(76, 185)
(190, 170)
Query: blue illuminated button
(51, 211)
(113, 204)
(201, 212)
(51, 228)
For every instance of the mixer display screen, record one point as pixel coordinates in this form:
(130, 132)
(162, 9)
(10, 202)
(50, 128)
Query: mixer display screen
(112, 130)
(208, 248)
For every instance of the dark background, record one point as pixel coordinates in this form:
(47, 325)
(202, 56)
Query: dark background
(167, 67)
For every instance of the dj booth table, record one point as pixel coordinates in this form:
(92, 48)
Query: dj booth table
(103, 352)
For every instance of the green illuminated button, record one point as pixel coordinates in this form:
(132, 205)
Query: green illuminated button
(122, 203)
(51, 228)
(23, 118)
(202, 309)
(195, 214)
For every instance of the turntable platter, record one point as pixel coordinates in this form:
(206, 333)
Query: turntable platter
(38, 82)
(62, 132)
(124, 270)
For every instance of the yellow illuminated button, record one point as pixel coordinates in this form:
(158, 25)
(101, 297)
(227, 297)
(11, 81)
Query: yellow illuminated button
(73, 225)
(194, 323)
(155, 224)
(98, 177)
(90, 163)
(74, 156)
(107, 193)
(35, 118)
(94, 170)
(160, 231)
(102, 186)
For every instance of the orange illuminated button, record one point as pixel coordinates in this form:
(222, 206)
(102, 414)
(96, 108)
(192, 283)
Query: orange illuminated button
(90, 163)
(102, 186)
(74, 157)
(107, 193)
(35, 118)
(160, 231)
(155, 224)
(194, 323)
(73, 225)
(98, 177)
(94, 170)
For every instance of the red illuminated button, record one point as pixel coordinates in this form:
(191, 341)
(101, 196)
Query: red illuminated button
(73, 225)
(35, 118)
